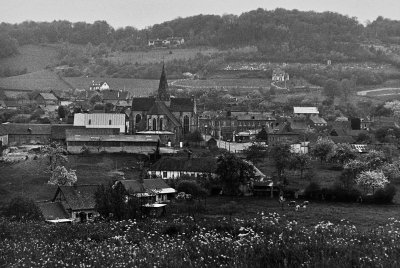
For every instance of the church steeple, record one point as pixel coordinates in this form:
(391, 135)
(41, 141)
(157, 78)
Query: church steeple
(163, 94)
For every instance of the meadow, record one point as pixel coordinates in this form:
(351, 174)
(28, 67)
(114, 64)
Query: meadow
(265, 240)
(32, 57)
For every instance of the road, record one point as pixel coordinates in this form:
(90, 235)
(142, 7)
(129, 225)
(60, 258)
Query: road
(230, 146)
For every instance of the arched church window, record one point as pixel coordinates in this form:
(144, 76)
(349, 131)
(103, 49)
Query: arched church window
(154, 124)
(161, 124)
(186, 124)
(138, 118)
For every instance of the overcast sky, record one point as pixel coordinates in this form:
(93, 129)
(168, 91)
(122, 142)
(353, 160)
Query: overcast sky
(142, 13)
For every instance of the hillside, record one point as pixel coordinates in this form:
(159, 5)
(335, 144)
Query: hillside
(32, 57)
(43, 80)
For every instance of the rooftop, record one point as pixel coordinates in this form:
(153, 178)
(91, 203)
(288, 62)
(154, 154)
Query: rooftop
(305, 110)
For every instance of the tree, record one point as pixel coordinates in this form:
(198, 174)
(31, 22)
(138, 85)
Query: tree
(256, 152)
(346, 85)
(56, 154)
(23, 209)
(322, 148)
(194, 136)
(374, 159)
(342, 153)
(233, 172)
(108, 107)
(61, 176)
(300, 162)
(371, 180)
(62, 111)
(332, 88)
(281, 156)
(262, 135)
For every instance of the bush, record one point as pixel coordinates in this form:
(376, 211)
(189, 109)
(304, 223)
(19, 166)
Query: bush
(23, 209)
(313, 190)
(341, 194)
(383, 196)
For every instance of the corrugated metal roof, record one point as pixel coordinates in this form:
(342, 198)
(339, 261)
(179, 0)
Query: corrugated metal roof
(305, 110)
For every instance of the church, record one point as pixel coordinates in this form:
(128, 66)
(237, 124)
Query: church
(164, 115)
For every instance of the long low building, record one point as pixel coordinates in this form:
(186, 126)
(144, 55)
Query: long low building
(138, 144)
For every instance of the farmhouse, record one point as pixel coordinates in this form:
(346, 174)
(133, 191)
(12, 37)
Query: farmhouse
(175, 167)
(163, 113)
(138, 144)
(101, 120)
(279, 75)
(99, 86)
(77, 202)
(113, 96)
(282, 133)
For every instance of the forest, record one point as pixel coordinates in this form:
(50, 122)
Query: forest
(280, 35)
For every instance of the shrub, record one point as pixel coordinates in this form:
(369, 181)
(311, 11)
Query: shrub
(384, 195)
(313, 190)
(23, 209)
(341, 194)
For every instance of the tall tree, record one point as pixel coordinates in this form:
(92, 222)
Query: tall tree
(281, 155)
(322, 148)
(233, 172)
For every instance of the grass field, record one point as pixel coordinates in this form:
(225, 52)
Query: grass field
(30, 177)
(32, 57)
(158, 55)
(43, 80)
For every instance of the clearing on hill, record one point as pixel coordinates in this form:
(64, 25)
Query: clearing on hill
(32, 57)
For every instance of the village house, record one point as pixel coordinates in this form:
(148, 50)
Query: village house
(175, 167)
(21, 134)
(164, 113)
(102, 120)
(46, 98)
(282, 133)
(76, 203)
(137, 144)
(114, 96)
(3, 136)
(317, 122)
(99, 86)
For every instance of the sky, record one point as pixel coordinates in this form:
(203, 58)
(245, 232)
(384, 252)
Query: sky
(143, 13)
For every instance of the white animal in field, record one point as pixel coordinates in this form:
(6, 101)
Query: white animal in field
(297, 207)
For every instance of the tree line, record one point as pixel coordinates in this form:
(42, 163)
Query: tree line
(278, 34)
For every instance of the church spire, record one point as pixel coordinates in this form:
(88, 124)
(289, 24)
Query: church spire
(163, 87)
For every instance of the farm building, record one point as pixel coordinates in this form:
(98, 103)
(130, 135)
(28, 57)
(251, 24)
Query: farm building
(71, 202)
(138, 144)
(157, 190)
(163, 113)
(175, 167)
(305, 111)
(101, 120)
(46, 98)
(21, 134)
(99, 86)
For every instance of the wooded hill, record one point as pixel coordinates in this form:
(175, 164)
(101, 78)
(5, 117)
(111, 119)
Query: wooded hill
(281, 35)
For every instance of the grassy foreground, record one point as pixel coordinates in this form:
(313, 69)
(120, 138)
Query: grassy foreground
(261, 241)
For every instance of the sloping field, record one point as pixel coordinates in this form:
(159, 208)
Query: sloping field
(158, 55)
(380, 92)
(43, 80)
(138, 87)
(32, 57)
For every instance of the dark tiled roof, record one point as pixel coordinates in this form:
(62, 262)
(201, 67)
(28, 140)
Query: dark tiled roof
(142, 104)
(203, 164)
(3, 130)
(85, 94)
(153, 184)
(79, 196)
(58, 132)
(182, 105)
(23, 129)
(132, 186)
(48, 96)
(53, 210)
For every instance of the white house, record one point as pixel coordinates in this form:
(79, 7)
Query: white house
(99, 86)
(102, 120)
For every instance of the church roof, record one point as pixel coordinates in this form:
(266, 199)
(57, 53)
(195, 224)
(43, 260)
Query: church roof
(182, 105)
(142, 104)
(159, 107)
